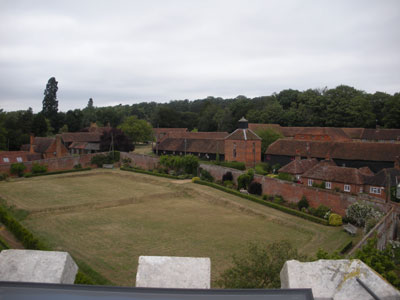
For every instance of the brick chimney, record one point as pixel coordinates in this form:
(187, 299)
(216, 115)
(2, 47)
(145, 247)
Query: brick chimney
(298, 156)
(31, 142)
(58, 146)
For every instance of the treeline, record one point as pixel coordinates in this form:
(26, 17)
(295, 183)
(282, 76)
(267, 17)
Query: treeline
(343, 106)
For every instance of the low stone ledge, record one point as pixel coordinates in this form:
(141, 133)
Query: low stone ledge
(336, 279)
(37, 266)
(173, 272)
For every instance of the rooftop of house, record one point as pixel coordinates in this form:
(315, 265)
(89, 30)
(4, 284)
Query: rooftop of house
(367, 151)
(336, 134)
(40, 144)
(243, 134)
(17, 156)
(381, 134)
(69, 137)
(298, 166)
(380, 179)
(326, 172)
(192, 145)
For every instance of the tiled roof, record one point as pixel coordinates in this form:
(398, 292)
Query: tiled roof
(41, 144)
(85, 146)
(69, 137)
(336, 150)
(366, 171)
(354, 133)
(243, 134)
(381, 134)
(198, 135)
(299, 166)
(166, 130)
(335, 174)
(99, 130)
(334, 133)
(192, 145)
(380, 178)
(259, 126)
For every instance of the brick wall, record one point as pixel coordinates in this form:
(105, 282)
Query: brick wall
(292, 192)
(55, 164)
(143, 161)
(244, 151)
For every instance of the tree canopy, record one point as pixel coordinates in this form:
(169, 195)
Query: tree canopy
(137, 130)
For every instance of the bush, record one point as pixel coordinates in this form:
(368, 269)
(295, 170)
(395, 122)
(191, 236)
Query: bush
(232, 164)
(38, 169)
(194, 179)
(278, 199)
(205, 175)
(78, 166)
(17, 169)
(322, 211)
(227, 177)
(276, 167)
(260, 267)
(180, 164)
(265, 197)
(101, 159)
(335, 220)
(229, 184)
(357, 213)
(285, 176)
(3, 176)
(243, 181)
(263, 168)
(126, 162)
(255, 188)
(370, 223)
(27, 175)
(303, 203)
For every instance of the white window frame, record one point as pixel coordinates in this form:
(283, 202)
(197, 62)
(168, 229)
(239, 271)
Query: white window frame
(310, 182)
(328, 185)
(19, 159)
(375, 190)
(347, 188)
(6, 159)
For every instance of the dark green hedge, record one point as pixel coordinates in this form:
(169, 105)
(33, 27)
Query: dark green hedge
(346, 247)
(28, 175)
(232, 164)
(266, 203)
(85, 275)
(130, 169)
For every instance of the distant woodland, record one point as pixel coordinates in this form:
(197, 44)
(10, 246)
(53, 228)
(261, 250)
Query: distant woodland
(343, 106)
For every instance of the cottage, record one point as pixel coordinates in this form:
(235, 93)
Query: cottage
(298, 166)
(46, 147)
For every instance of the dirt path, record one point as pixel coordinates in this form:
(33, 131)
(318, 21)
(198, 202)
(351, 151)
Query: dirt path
(9, 238)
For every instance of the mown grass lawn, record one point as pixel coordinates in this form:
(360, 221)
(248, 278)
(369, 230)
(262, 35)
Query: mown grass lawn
(109, 218)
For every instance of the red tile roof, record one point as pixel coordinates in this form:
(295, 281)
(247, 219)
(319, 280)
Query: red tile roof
(381, 134)
(380, 179)
(335, 174)
(336, 150)
(192, 145)
(354, 133)
(198, 135)
(336, 134)
(298, 166)
(69, 137)
(13, 155)
(257, 126)
(243, 134)
(40, 144)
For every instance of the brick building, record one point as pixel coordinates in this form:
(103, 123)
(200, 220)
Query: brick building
(46, 147)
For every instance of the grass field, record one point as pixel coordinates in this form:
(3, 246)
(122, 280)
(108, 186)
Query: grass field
(108, 218)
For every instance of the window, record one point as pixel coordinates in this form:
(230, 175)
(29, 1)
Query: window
(375, 190)
(328, 185)
(19, 159)
(347, 188)
(298, 177)
(361, 190)
(234, 150)
(310, 182)
(5, 159)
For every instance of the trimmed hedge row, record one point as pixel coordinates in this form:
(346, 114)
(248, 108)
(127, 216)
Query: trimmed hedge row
(270, 204)
(346, 247)
(30, 242)
(130, 169)
(28, 175)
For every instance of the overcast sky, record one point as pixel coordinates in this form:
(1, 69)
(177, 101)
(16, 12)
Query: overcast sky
(134, 51)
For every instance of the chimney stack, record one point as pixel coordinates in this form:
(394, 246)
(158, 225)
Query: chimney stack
(31, 142)
(298, 156)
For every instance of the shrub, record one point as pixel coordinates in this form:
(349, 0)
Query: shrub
(335, 220)
(180, 164)
(126, 162)
(228, 184)
(232, 164)
(276, 167)
(78, 166)
(260, 266)
(205, 175)
(265, 197)
(194, 179)
(243, 181)
(370, 223)
(303, 203)
(227, 177)
(37, 168)
(322, 211)
(357, 213)
(3, 176)
(285, 176)
(17, 169)
(101, 159)
(255, 188)
(263, 168)
(312, 211)
(278, 199)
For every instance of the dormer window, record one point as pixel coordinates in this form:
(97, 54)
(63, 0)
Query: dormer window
(6, 160)
(19, 159)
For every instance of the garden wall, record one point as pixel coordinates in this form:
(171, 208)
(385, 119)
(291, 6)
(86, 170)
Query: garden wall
(292, 192)
(55, 164)
(140, 160)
